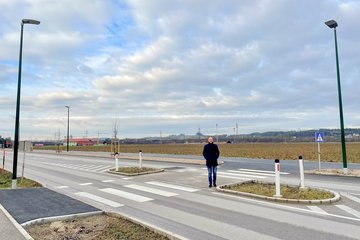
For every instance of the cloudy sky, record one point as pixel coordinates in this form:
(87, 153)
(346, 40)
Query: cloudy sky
(176, 66)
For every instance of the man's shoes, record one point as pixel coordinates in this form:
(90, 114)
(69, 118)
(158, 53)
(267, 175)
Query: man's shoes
(210, 185)
(214, 184)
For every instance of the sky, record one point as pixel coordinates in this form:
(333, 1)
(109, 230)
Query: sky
(176, 66)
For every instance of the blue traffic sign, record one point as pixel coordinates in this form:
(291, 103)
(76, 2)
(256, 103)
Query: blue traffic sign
(319, 137)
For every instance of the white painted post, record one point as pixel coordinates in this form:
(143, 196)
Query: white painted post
(116, 161)
(319, 155)
(302, 179)
(277, 179)
(140, 159)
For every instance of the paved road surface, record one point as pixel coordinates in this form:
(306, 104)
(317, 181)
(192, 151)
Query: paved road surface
(179, 200)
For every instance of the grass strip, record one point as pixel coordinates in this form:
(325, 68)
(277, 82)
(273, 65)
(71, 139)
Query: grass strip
(268, 189)
(6, 180)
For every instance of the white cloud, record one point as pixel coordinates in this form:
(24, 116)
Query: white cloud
(178, 65)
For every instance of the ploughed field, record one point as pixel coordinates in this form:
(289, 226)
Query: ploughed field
(330, 152)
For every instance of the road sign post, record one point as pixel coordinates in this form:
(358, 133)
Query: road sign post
(302, 178)
(319, 137)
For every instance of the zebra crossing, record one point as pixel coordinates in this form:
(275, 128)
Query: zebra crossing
(82, 167)
(244, 174)
(349, 212)
(123, 194)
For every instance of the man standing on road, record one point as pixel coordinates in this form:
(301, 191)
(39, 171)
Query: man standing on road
(211, 153)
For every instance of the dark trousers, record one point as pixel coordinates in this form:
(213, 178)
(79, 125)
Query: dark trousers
(212, 170)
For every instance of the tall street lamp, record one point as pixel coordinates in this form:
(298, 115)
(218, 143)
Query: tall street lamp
(333, 24)
(67, 138)
(16, 138)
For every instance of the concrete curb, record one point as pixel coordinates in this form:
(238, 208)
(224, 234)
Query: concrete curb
(134, 174)
(16, 224)
(151, 227)
(284, 200)
(170, 235)
(60, 218)
(314, 172)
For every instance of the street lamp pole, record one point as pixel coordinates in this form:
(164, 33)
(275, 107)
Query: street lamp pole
(17, 117)
(333, 24)
(68, 121)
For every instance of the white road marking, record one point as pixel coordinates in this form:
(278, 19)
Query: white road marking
(253, 173)
(105, 181)
(284, 206)
(254, 170)
(167, 185)
(99, 199)
(151, 190)
(85, 184)
(232, 177)
(355, 199)
(123, 194)
(317, 209)
(127, 178)
(349, 210)
(93, 167)
(241, 175)
(62, 187)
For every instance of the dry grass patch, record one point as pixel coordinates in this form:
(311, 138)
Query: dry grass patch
(130, 170)
(99, 227)
(268, 189)
(6, 180)
(329, 151)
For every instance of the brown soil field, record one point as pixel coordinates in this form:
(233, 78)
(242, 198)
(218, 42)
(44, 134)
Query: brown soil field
(330, 152)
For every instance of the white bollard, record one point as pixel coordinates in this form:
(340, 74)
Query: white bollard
(277, 179)
(140, 159)
(116, 161)
(302, 178)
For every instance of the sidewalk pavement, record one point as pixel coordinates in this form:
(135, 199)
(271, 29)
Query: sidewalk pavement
(24, 207)
(9, 228)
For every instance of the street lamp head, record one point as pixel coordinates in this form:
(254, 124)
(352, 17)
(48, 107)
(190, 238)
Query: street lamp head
(331, 24)
(30, 21)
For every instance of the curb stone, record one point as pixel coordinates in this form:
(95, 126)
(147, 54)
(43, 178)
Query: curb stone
(284, 200)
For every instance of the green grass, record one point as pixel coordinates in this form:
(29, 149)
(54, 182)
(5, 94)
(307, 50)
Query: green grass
(268, 189)
(6, 180)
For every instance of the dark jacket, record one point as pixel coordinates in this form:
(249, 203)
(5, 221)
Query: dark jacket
(211, 153)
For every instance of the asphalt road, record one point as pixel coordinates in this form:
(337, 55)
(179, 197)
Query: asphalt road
(179, 201)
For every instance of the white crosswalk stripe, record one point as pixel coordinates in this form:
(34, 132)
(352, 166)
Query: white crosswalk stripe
(62, 187)
(260, 171)
(317, 209)
(246, 174)
(349, 210)
(123, 194)
(151, 190)
(99, 199)
(349, 196)
(83, 167)
(106, 181)
(85, 184)
(177, 187)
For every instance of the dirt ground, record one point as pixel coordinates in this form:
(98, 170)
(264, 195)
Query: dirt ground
(99, 227)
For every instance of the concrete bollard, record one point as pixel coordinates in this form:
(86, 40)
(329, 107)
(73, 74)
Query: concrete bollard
(140, 159)
(277, 179)
(116, 155)
(302, 178)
